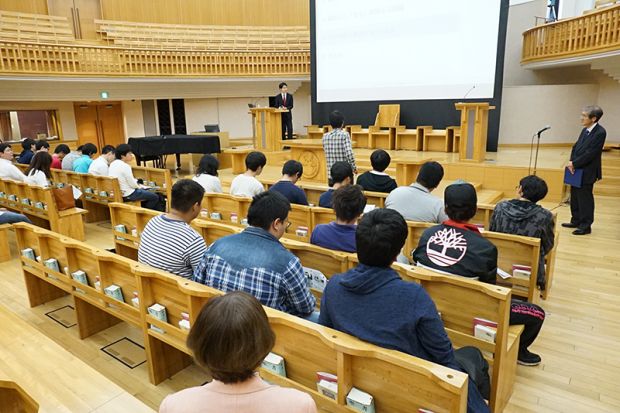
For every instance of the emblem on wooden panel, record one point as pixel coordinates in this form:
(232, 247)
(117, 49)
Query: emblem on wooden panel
(311, 163)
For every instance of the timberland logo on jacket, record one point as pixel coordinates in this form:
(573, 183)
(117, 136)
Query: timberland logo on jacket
(446, 247)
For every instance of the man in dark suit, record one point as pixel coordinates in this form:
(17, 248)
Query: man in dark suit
(284, 100)
(586, 155)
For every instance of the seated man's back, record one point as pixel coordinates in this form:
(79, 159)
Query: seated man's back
(415, 202)
(291, 173)
(168, 242)
(254, 261)
(374, 304)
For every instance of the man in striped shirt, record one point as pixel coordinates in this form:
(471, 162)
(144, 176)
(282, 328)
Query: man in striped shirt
(168, 242)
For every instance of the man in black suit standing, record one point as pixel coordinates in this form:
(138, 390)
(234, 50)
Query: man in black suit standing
(586, 155)
(284, 100)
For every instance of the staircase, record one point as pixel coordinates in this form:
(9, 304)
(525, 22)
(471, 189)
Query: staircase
(610, 185)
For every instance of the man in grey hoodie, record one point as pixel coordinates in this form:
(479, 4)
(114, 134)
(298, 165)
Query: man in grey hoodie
(522, 216)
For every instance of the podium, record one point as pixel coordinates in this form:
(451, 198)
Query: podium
(474, 128)
(311, 155)
(267, 128)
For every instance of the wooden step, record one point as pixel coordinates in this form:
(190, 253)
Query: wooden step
(607, 189)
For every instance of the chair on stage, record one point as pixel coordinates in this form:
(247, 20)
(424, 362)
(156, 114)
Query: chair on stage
(383, 133)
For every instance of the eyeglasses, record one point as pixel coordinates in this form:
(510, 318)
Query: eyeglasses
(287, 224)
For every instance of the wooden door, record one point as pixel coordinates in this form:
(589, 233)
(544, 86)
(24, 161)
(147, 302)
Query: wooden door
(87, 123)
(81, 15)
(99, 123)
(111, 124)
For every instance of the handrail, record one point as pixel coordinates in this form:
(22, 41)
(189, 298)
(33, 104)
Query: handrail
(592, 33)
(88, 60)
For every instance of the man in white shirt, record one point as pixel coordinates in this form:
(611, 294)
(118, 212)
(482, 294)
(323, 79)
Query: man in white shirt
(101, 165)
(121, 170)
(7, 169)
(246, 184)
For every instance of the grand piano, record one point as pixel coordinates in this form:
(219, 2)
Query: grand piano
(156, 148)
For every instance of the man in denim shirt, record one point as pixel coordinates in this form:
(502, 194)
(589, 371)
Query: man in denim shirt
(254, 261)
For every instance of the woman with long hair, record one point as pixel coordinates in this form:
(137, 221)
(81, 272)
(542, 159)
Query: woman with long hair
(38, 173)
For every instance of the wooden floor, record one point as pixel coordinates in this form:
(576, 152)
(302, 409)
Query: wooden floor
(580, 371)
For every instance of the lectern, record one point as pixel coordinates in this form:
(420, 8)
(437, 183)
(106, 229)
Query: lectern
(474, 126)
(267, 128)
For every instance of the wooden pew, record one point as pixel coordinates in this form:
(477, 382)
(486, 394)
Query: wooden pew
(459, 300)
(41, 208)
(440, 140)
(155, 177)
(511, 249)
(14, 399)
(5, 250)
(397, 381)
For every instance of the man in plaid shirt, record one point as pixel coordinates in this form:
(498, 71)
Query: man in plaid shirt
(254, 261)
(337, 144)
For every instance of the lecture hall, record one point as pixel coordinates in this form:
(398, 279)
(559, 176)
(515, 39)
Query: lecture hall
(285, 206)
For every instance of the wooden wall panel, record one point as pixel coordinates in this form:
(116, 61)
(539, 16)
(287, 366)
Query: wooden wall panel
(24, 6)
(220, 12)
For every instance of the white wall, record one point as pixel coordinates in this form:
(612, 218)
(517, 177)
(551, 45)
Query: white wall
(132, 118)
(572, 8)
(526, 109)
(65, 113)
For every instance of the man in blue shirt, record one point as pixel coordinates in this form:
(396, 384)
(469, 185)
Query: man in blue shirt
(29, 146)
(82, 163)
(291, 173)
(374, 304)
(342, 174)
(254, 261)
(349, 203)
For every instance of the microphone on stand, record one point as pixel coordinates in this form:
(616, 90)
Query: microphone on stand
(537, 134)
(469, 91)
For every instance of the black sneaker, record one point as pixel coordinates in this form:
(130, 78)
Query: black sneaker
(528, 359)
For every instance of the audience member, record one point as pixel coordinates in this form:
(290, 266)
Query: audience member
(206, 174)
(82, 163)
(291, 173)
(7, 169)
(349, 203)
(246, 184)
(101, 165)
(38, 173)
(60, 152)
(415, 202)
(8, 217)
(67, 161)
(456, 247)
(374, 304)
(377, 180)
(121, 170)
(42, 145)
(342, 175)
(230, 339)
(254, 261)
(29, 146)
(337, 144)
(168, 242)
(522, 216)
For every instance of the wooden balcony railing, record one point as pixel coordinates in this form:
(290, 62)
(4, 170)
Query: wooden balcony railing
(592, 33)
(86, 60)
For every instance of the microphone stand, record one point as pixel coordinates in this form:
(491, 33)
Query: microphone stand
(537, 147)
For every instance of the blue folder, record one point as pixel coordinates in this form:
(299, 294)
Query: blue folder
(573, 179)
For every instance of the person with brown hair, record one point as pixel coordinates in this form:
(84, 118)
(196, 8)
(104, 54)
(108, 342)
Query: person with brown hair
(38, 173)
(230, 339)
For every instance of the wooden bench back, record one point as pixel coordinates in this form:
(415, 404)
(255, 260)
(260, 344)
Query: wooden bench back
(511, 250)
(398, 382)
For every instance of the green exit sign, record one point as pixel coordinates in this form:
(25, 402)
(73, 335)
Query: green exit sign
(104, 95)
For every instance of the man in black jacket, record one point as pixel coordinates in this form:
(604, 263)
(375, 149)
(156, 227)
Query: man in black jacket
(284, 100)
(586, 155)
